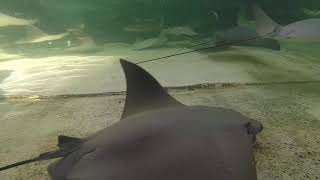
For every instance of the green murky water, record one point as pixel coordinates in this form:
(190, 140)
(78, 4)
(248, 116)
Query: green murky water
(59, 64)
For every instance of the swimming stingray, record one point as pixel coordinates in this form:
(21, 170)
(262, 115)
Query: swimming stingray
(159, 138)
(241, 32)
(304, 30)
(36, 35)
(6, 20)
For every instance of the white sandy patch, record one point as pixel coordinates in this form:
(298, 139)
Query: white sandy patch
(57, 75)
(96, 74)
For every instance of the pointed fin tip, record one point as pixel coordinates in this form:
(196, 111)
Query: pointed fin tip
(127, 65)
(264, 23)
(124, 63)
(144, 92)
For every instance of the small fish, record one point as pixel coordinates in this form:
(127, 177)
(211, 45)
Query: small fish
(304, 30)
(6, 20)
(159, 138)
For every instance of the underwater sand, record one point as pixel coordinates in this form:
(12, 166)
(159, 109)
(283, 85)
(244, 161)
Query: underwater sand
(287, 105)
(86, 74)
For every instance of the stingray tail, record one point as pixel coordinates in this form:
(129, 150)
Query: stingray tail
(42, 157)
(264, 24)
(66, 146)
(18, 164)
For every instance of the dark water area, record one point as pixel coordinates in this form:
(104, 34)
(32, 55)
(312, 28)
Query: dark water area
(105, 20)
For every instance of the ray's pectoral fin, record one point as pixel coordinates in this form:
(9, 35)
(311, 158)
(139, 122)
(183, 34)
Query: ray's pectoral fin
(144, 92)
(59, 169)
(67, 142)
(265, 25)
(254, 127)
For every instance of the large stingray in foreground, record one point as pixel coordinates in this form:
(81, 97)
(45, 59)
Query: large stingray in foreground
(159, 138)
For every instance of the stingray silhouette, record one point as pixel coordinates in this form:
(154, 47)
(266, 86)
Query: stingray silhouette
(306, 30)
(159, 138)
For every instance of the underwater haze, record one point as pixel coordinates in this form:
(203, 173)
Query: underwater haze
(60, 72)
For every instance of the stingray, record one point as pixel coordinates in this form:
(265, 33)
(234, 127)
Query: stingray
(36, 35)
(304, 30)
(241, 32)
(6, 20)
(159, 138)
